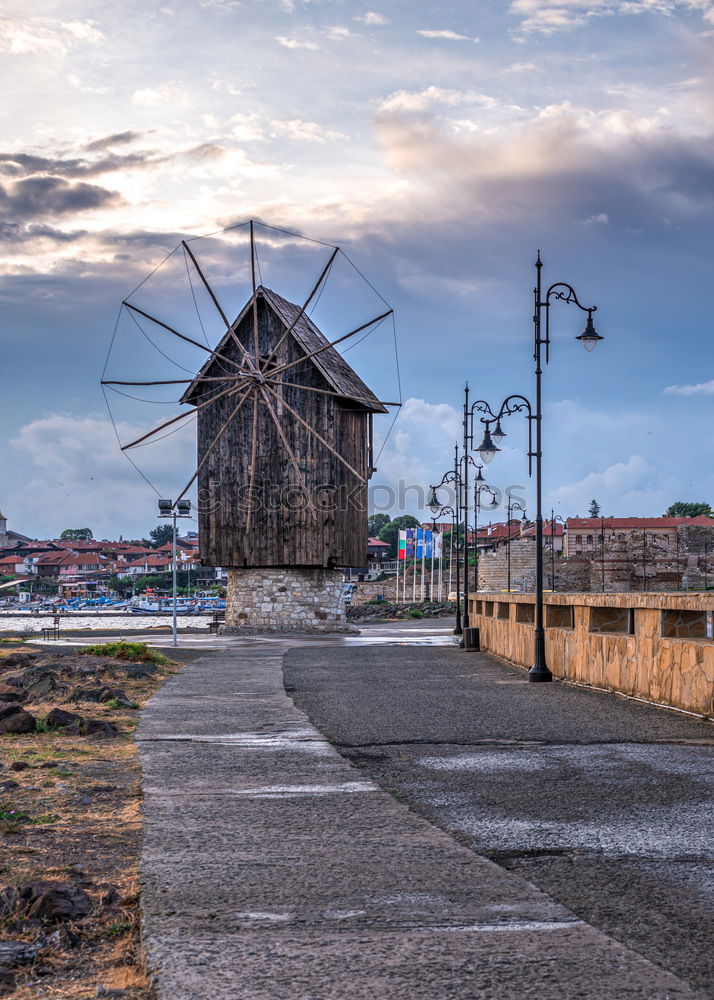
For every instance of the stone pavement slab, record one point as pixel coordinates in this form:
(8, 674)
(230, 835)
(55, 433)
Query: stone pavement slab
(273, 868)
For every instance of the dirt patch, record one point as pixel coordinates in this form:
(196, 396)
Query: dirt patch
(70, 829)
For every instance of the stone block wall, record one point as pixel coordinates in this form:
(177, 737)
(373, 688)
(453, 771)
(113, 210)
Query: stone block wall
(284, 600)
(654, 646)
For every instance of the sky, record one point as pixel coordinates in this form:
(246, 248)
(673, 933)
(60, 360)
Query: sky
(440, 145)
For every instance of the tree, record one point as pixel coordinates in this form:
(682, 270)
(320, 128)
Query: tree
(594, 509)
(160, 535)
(390, 532)
(375, 523)
(76, 535)
(688, 508)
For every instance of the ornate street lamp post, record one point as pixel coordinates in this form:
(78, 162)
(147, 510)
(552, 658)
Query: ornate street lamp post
(453, 476)
(559, 291)
(480, 486)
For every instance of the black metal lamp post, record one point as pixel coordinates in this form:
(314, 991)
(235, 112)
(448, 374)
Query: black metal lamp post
(453, 476)
(559, 291)
(510, 507)
(480, 486)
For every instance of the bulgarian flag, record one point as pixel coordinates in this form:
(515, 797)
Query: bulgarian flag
(402, 545)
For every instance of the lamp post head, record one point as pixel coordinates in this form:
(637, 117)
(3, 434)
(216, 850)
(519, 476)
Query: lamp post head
(433, 502)
(498, 433)
(488, 447)
(589, 337)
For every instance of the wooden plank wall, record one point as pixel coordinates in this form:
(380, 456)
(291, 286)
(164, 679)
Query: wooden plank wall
(282, 530)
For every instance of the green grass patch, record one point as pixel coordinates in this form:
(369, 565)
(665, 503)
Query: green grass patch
(134, 652)
(415, 613)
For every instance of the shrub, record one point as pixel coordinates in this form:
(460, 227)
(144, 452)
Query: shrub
(135, 652)
(415, 613)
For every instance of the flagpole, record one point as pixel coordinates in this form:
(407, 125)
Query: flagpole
(431, 574)
(399, 559)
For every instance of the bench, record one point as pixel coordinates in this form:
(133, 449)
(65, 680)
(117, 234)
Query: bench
(215, 624)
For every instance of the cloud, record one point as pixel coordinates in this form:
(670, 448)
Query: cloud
(445, 34)
(171, 94)
(109, 141)
(27, 164)
(701, 388)
(629, 486)
(73, 471)
(53, 196)
(372, 17)
(421, 100)
(294, 43)
(46, 36)
(548, 16)
(598, 219)
(302, 131)
(338, 33)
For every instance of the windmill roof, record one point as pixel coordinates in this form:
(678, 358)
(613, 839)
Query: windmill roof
(329, 362)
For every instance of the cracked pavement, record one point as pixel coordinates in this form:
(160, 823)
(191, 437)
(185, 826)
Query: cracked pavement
(275, 868)
(602, 802)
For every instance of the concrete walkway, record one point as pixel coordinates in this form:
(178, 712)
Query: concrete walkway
(275, 870)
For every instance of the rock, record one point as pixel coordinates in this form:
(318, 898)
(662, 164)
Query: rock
(84, 800)
(86, 694)
(117, 695)
(97, 727)
(61, 938)
(110, 897)
(19, 765)
(10, 693)
(14, 953)
(14, 719)
(58, 717)
(14, 680)
(50, 763)
(136, 671)
(19, 659)
(107, 992)
(56, 901)
(42, 686)
(8, 786)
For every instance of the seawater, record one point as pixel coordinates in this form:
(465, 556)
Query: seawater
(25, 622)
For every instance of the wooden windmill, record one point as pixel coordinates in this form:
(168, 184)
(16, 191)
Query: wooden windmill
(284, 445)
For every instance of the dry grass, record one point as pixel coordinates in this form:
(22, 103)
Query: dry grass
(85, 829)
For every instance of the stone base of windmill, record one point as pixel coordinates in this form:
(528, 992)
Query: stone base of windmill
(296, 601)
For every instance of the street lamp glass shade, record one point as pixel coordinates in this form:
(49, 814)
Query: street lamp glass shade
(499, 433)
(488, 448)
(433, 502)
(589, 337)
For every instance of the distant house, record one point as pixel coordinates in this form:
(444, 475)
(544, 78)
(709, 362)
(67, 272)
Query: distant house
(584, 534)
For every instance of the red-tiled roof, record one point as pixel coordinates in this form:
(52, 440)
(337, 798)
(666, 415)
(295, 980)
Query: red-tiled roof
(594, 523)
(377, 541)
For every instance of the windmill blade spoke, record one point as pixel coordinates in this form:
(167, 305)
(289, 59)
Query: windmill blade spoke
(256, 338)
(346, 336)
(172, 381)
(300, 314)
(319, 437)
(181, 336)
(174, 420)
(246, 357)
(211, 446)
(329, 392)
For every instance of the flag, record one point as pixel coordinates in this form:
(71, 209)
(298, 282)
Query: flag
(410, 542)
(429, 543)
(438, 544)
(419, 542)
(402, 550)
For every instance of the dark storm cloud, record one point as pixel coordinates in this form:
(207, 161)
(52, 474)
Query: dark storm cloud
(118, 139)
(26, 164)
(35, 197)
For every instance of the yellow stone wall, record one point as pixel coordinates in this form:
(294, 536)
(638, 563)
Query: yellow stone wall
(672, 671)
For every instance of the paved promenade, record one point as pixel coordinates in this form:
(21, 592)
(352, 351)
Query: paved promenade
(275, 869)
